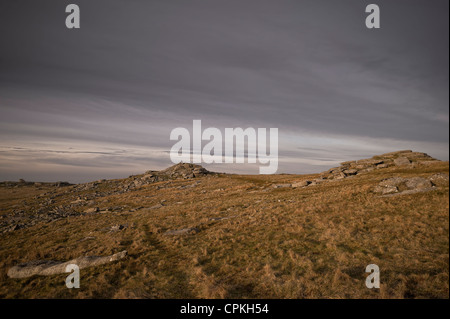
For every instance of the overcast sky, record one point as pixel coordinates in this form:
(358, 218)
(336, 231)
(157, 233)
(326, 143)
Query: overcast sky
(101, 101)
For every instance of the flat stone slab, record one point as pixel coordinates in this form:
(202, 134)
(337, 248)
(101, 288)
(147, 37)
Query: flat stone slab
(411, 191)
(50, 267)
(402, 161)
(221, 218)
(301, 184)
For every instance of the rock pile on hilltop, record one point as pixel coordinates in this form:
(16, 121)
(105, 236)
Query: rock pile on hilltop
(400, 158)
(178, 171)
(184, 170)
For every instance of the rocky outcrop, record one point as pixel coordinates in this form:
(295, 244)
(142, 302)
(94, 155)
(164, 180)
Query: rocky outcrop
(84, 197)
(178, 171)
(402, 186)
(50, 267)
(401, 159)
(184, 170)
(398, 159)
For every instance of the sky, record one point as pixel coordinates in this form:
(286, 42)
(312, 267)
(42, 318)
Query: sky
(100, 101)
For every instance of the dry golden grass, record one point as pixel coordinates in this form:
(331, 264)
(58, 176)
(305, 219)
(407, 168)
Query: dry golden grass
(312, 242)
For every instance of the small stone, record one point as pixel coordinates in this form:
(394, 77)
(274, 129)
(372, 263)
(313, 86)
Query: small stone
(117, 227)
(281, 185)
(91, 210)
(301, 184)
(350, 172)
(394, 181)
(390, 190)
(386, 190)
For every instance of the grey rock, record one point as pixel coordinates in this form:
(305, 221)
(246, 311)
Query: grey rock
(418, 183)
(349, 172)
(402, 161)
(301, 184)
(386, 190)
(91, 210)
(115, 228)
(50, 267)
(282, 185)
(394, 181)
(440, 180)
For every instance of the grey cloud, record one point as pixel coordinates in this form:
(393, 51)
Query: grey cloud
(137, 69)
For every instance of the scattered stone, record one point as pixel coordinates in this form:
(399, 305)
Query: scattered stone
(418, 183)
(301, 184)
(386, 190)
(350, 172)
(440, 180)
(282, 185)
(116, 228)
(138, 183)
(394, 181)
(187, 186)
(50, 267)
(404, 186)
(221, 218)
(315, 182)
(92, 210)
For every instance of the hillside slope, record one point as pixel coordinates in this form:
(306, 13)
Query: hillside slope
(190, 233)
